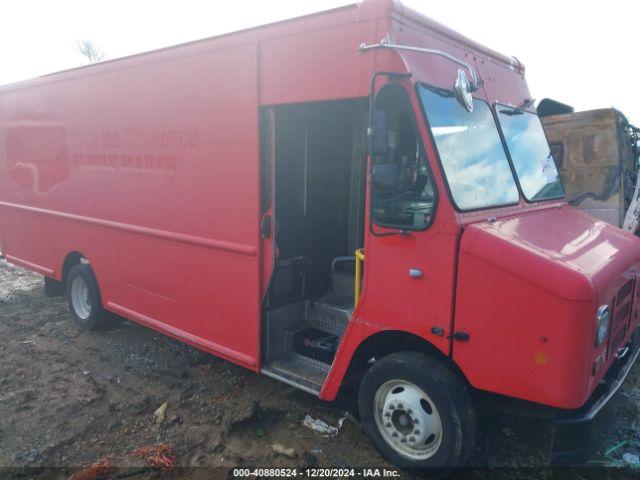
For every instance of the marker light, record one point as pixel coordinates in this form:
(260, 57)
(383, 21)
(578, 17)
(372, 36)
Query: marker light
(603, 317)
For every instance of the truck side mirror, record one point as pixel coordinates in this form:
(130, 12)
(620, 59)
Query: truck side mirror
(463, 90)
(379, 134)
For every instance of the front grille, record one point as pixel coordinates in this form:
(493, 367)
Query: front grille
(624, 292)
(621, 315)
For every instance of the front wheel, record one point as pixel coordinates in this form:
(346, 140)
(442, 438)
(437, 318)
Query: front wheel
(417, 413)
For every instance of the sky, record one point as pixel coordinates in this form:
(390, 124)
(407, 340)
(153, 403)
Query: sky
(577, 52)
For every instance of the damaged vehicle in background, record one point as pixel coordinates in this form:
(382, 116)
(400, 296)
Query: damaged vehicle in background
(598, 156)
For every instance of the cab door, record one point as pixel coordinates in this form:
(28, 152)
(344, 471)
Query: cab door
(411, 246)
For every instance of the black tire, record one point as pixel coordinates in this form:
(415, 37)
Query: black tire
(53, 288)
(449, 397)
(89, 314)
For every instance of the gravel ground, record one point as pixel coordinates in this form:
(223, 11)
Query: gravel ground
(69, 398)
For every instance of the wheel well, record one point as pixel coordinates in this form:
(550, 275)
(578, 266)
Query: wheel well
(71, 260)
(385, 343)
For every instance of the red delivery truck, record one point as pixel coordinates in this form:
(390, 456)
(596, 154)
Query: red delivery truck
(359, 199)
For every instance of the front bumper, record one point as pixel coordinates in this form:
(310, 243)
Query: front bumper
(572, 433)
(609, 385)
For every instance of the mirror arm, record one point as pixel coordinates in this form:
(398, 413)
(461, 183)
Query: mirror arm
(384, 44)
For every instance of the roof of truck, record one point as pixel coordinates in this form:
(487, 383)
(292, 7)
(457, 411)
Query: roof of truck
(400, 12)
(365, 10)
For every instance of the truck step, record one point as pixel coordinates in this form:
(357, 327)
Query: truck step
(300, 372)
(289, 352)
(330, 313)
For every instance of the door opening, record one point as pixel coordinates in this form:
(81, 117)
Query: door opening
(319, 211)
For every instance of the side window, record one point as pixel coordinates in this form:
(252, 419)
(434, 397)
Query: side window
(401, 184)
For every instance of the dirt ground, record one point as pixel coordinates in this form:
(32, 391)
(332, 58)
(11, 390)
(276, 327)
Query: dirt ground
(69, 398)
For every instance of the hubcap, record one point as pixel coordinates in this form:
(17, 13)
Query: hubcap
(81, 298)
(408, 419)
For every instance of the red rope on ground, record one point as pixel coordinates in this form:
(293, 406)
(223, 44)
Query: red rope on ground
(159, 456)
(101, 468)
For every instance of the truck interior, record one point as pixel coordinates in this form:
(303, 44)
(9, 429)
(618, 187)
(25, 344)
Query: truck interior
(319, 165)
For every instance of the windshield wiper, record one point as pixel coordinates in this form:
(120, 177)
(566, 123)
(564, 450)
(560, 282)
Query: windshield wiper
(443, 92)
(512, 112)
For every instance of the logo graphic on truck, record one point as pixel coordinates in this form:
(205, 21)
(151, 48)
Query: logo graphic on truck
(36, 154)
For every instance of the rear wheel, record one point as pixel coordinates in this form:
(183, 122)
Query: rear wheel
(417, 413)
(83, 296)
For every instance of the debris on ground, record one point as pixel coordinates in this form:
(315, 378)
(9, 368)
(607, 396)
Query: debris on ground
(160, 413)
(282, 450)
(631, 459)
(619, 445)
(321, 427)
(159, 456)
(99, 469)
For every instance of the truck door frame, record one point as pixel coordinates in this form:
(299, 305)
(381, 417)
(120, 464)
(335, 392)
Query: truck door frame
(376, 317)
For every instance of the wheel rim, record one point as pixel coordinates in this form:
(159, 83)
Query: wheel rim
(407, 419)
(81, 298)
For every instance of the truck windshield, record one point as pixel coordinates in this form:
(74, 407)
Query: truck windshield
(471, 151)
(530, 154)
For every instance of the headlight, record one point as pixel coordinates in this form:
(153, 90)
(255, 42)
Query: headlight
(603, 318)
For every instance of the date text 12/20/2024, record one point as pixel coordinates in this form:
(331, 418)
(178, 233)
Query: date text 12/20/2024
(315, 473)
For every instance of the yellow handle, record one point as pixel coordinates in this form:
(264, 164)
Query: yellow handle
(359, 262)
